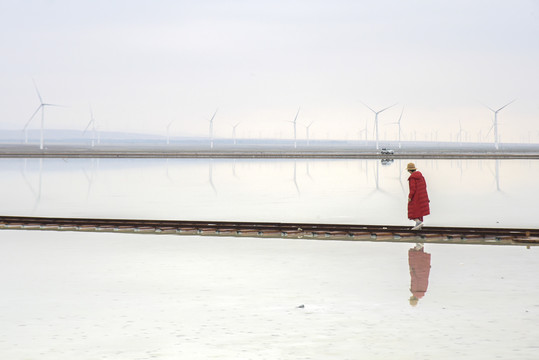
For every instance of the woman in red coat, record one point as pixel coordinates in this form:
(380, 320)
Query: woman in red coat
(418, 199)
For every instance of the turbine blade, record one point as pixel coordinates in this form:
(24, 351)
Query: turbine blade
(87, 127)
(386, 108)
(37, 91)
(297, 115)
(31, 117)
(400, 117)
(509, 103)
(492, 127)
(488, 107)
(56, 105)
(367, 106)
(215, 113)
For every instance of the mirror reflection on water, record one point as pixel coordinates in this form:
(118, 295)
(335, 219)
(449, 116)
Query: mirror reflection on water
(124, 296)
(493, 193)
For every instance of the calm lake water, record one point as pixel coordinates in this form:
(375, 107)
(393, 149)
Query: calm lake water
(493, 193)
(131, 296)
(115, 296)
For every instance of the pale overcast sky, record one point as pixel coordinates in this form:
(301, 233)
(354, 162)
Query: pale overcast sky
(143, 64)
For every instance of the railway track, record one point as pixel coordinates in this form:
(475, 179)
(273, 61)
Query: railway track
(452, 235)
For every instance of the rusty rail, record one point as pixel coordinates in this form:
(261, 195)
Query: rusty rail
(452, 235)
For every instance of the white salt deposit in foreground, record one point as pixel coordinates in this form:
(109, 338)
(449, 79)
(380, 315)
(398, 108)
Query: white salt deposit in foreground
(124, 296)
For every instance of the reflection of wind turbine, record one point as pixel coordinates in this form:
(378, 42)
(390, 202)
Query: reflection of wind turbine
(92, 123)
(37, 193)
(91, 176)
(23, 172)
(376, 181)
(497, 165)
(234, 132)
(376, 118)
(295, 128)
(295, 178)
(38, 200)
(234, 168)
(307, 170)
(377, 188)
(41, 107)
(496, 173)
(211, 128)
(400, 176)
(495, 124)
(210, 176)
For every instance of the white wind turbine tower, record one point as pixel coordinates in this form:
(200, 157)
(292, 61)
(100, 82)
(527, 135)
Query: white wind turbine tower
(168, 131)
(41, 107)
(459, 134)
(307, 128)
(234, 131)
(495, 124)
(211, 128)
(364, 130)
(295, 128)
(376, 118)
(399, 123)
(92, 123)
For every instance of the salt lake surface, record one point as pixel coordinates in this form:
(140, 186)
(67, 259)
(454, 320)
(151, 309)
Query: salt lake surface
(493, 193)
(72, 295)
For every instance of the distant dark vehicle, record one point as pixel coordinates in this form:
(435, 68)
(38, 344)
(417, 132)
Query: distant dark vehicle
(385, 151)
(386, 161)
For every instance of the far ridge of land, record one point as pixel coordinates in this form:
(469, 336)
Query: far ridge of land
(419, 151)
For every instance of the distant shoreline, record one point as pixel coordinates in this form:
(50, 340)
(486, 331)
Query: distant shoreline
(258, 153)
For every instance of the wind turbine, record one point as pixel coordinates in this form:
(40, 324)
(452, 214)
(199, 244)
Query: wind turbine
(41, 107)
(399, 123)
(211, 129)
(295, 128)
(376, 118)
(168, 131)
(365, 131)
(234, 131)
(459, 134)
(495, 124)
(307, 128)
(92, 123)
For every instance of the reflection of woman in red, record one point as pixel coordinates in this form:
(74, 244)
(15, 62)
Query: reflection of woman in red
(419, 262)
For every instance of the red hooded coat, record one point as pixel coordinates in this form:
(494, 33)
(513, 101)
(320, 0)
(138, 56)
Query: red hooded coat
(418, 206)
